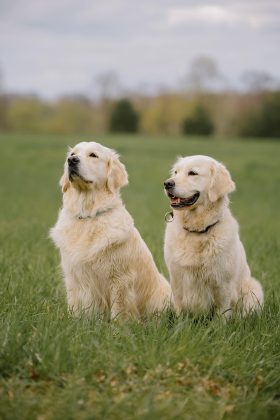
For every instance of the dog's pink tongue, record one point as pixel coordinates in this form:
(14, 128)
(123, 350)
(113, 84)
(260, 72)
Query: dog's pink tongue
(175, 200)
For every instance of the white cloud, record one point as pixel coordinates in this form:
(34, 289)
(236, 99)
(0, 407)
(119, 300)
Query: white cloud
(255, 16)
(204, 14)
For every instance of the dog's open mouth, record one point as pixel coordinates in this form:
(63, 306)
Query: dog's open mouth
(178, 202)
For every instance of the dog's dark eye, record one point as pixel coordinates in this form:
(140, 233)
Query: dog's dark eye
(175, 172)
(93, 155)
(72, 154)
(192, 173)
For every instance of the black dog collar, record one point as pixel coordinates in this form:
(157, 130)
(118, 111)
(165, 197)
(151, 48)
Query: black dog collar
(170, 216)
(201, 231)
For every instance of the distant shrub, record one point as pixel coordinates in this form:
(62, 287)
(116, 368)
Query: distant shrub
(265, 122)
(199, 123)
(3, 112)
(28, 114)
(70, 116)
(124, 118)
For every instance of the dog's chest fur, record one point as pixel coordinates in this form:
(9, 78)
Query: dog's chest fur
(197, 265)
(93, 257)
(197, 259)
(91, 249)
(191, 249)
(84, 240)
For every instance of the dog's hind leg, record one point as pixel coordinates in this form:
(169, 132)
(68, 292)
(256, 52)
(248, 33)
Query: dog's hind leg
(251, 296)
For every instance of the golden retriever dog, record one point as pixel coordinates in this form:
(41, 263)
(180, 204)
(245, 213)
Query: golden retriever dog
(107, 266)
(204, 255)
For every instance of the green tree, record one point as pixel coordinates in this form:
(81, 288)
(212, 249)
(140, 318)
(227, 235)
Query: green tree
(265, 121)
(124, 118)
(199, 123)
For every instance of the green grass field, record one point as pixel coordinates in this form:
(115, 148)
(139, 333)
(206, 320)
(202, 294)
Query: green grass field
(56, 367)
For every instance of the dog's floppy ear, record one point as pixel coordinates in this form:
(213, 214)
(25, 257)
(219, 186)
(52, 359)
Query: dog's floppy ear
(220, 182)
(64, 183)
(117, 175)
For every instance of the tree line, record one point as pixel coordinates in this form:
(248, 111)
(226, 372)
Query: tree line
(204, 103)
(223, 114)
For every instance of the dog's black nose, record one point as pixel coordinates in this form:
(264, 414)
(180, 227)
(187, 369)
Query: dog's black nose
(73, 160)
(169, 184)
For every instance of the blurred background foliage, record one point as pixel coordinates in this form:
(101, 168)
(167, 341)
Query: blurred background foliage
(203, 104)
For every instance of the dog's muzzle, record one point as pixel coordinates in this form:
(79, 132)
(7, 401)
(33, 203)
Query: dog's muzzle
(73, 162)
(169, 184)
(179, 202)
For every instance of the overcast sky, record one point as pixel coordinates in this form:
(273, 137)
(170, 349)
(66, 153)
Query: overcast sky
(61, 46)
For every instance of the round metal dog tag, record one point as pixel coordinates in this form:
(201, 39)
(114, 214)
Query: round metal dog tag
(169, 217)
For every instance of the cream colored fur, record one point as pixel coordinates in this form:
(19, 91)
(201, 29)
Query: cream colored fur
(207, 270)
(107, 266)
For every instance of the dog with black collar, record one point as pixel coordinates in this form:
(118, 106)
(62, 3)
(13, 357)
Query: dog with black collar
(204, 255)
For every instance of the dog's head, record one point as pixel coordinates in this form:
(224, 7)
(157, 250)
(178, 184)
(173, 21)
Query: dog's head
(196, 180)
(91, 166)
